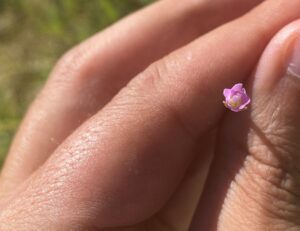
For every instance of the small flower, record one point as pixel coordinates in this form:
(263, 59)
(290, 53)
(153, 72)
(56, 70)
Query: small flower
(236, 98)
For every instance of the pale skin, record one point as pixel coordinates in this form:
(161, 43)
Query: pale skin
(130, 126)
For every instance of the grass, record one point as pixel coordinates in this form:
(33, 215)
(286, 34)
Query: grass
(33, 35)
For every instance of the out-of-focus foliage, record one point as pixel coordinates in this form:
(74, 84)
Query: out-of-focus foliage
(33, 35)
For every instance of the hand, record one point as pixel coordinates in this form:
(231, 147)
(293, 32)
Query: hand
(122, 136)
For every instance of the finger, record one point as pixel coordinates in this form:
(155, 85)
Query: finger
(178, 212)
(140, 144)
(89, 75)
(259, 151)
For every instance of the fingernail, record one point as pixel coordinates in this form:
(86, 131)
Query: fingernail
(294, 62)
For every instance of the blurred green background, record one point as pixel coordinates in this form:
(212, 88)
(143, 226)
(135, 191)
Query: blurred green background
(33, 35)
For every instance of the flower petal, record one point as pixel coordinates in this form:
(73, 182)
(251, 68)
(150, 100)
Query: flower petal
(237, 87)
(245, 104)
(235, 109)
(226, 93)
(245, 98)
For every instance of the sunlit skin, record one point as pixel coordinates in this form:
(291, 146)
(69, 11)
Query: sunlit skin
(142, 140)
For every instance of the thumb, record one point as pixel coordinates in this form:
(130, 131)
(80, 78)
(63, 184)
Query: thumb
(259, 150)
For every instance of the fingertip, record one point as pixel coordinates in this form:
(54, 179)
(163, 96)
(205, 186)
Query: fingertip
(278, 58)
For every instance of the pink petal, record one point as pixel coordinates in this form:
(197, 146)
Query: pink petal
(235, 110)
(237, 87)
(226, 92)
(245, 99)
(244, 104)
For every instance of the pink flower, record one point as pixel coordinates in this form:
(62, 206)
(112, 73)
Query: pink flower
(236, 98)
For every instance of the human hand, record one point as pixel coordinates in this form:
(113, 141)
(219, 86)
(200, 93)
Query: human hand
(90, 156)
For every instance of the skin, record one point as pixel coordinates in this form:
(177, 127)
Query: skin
(131, 125)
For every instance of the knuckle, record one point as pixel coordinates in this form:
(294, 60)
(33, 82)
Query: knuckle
(150, 80)
(274, 190)
(274, 177)
(70, 63)
(155, 86)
